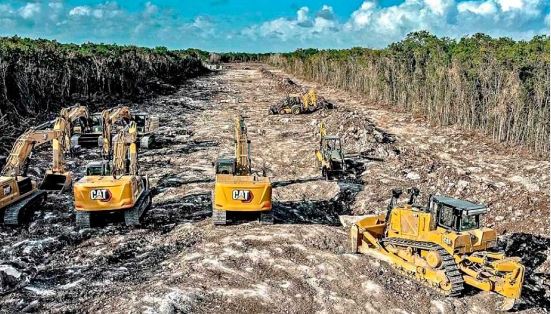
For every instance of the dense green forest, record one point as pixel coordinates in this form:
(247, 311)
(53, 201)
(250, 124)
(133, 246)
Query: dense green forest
(495, 85)
(38, 77)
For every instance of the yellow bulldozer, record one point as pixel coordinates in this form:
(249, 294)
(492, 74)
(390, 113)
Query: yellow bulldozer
(19, 194)
(297, 104)
(236, 188)
(114, 186)
(442, 246)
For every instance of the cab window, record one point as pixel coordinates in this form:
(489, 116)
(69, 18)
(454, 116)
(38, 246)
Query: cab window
(447, 217)
(469, 222)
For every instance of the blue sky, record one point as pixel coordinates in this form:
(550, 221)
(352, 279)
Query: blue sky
(262, 25)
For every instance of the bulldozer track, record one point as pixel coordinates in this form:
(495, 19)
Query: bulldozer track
(448, 264)
(17, 213)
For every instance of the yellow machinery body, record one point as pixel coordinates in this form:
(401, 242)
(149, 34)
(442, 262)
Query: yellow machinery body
(106, 193)
(236, 189)
(20, 195)
(14, 189)
(116, 185)
(414, 241)
(242, 193)
(330, 155)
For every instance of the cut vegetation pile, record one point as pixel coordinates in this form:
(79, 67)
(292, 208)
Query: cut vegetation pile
(38, 77)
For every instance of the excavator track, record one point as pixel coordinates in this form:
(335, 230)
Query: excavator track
(20, 212)
(219, 217)
(133, 215)
(83, 219)
(448, 265)
(267, 218)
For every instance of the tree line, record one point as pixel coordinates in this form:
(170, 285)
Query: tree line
(495, 85)
(38, 77)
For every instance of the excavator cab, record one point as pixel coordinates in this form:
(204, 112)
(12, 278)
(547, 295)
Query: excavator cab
(97, 126)
(98, 168)
(225, 166)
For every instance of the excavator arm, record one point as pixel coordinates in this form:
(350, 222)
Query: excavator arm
(77, 114)
(22, 149)
(242, 148)
(310, 99)
(125, 149)
(110, 117)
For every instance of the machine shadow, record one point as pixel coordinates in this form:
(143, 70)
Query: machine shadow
(324, 212)
(532, 249)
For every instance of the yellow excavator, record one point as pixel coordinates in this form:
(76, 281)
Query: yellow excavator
(19, 194)
(330, 155)
(442, 246)
(236, 188)
(116, 186)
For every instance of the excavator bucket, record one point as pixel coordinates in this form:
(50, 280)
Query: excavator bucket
(56, 182)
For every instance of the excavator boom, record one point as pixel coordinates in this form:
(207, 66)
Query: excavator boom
(109, 118)
(242, 148)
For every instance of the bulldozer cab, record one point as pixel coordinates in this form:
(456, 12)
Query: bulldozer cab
(454, 214)
(225, 166)
(98, 168)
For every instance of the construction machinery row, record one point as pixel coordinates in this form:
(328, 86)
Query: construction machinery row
(112, 184)
(442, 245)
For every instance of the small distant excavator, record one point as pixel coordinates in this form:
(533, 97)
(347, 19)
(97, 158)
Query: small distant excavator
(20, 195)
(114, 186)
(101, 127)
(146, 125)
(330, 156)
(297, 104)
(442, 246)
(236, 188)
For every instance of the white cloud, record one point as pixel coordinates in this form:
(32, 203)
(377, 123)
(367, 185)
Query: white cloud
(508, 5)
(29, 10)
(439, 7)
(80, 11)
(302, 14)
(375, 25)
(150, 9)
(477, 7)
(302, 28)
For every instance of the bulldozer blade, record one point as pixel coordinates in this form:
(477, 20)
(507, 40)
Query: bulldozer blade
(508, 304)
(55, 183)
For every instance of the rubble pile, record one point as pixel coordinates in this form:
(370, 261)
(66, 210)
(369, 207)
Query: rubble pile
(282, 83)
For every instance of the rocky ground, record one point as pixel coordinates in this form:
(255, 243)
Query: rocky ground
(178, 262)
